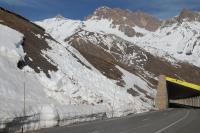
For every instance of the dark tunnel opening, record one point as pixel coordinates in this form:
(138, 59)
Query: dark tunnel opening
(177, 93)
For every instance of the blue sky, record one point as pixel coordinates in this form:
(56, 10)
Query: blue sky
(78, 9)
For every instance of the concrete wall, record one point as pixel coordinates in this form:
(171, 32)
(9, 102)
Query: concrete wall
(193, 101)
(161, 100)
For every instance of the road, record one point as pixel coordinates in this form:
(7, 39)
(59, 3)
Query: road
(169, 121)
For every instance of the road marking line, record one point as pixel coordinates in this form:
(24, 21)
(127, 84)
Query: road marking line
(172, 124)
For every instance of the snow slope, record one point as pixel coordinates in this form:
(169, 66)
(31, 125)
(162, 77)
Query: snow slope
(178, 42)
(76, 84)
(11, 45)
(100, 86)
(58, 24)
(74, 90)
(62, 28)
(107, 27)
(12, 79)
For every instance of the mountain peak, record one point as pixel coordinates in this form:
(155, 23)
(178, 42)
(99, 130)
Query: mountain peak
(185, 10)
(59, 17)
(126, 18)
(103, 8)
(105, 12)
(186, 13)
(189, 15)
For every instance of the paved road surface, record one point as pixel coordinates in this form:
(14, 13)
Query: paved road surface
(169, 121)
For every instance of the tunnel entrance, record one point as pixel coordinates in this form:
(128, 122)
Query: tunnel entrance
(182, 94)
(175, 93)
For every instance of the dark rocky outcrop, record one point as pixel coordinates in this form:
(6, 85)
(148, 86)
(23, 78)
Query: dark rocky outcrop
(32, 45)
(106, 59)
(189, 15)
(127, 19)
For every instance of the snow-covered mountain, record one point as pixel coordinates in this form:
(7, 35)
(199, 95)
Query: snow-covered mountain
(62, 81)
(108, 63)
(179, 37)
(136, 41)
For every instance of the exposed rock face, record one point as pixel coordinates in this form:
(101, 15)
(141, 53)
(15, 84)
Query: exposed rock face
(189, 15)
(127, 19)
(185, 15)
(128, 56)
(97, 56)
(34, 41)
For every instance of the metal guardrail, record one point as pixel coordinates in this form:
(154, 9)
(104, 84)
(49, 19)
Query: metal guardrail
(21, 124)
(11, 125)
(38, 121)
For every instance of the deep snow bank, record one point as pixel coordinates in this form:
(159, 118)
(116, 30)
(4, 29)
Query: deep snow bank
(76, 92)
